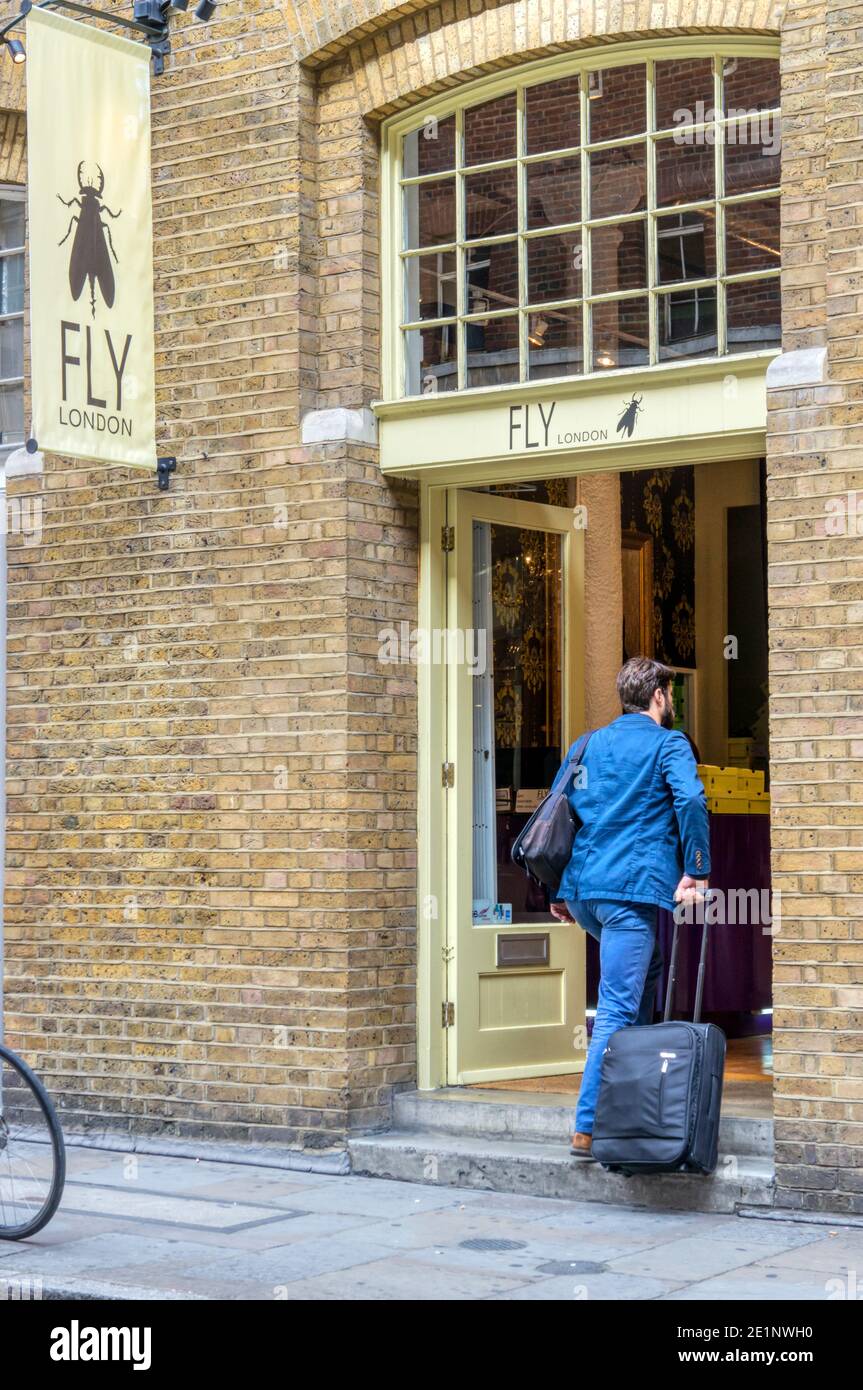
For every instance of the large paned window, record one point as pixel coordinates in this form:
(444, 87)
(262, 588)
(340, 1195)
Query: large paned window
(614, 216)
(11, 318)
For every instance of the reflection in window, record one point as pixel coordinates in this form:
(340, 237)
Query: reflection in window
(517, 704)
(686, 251)
(618, 180)
(528, 254)
(555, 343)
(430, 360)
(618, 257)
(620, 333)
(11, 317)
(753, 315)
(554, 267)
(492, 351)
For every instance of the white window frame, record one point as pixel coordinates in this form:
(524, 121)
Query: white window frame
(396, 255)
(13, 193)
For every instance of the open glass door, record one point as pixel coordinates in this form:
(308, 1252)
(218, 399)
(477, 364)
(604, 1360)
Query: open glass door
(515, 702)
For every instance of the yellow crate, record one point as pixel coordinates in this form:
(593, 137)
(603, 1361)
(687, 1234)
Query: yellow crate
(731, 781)
(728, 805)
(739, 805)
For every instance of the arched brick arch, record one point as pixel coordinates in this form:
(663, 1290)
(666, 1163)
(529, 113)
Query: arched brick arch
(322, 31)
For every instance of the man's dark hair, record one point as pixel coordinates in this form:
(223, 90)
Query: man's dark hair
(637, 680)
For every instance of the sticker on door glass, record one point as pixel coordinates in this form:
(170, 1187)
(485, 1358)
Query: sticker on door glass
(485, 911)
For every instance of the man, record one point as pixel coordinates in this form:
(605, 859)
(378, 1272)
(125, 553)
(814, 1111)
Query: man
(643, 844)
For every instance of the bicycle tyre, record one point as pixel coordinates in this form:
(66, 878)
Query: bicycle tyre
(58, 1181)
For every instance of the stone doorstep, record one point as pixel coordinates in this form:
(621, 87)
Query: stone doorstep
(540, 1118)
(530, 1167)
(519, 1142)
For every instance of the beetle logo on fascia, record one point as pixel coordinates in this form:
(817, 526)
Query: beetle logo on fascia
(631, 411)
(89, 258)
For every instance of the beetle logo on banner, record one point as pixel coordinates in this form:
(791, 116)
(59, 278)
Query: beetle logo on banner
(89, 259)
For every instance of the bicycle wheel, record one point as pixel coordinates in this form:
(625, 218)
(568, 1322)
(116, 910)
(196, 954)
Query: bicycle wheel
(32, 1152)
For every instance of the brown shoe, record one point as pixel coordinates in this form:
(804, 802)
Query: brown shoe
(581, 1145)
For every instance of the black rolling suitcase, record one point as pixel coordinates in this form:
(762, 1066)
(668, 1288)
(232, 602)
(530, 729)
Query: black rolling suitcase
(660, 1091)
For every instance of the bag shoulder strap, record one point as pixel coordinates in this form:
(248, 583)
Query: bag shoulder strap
(572, 759)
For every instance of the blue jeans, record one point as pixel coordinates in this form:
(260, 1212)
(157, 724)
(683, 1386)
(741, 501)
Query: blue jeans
(630, 964)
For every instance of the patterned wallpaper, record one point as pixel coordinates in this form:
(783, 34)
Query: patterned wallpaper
(661, 503)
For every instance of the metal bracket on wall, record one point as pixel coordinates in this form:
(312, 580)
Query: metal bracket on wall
(164, 468)
(152, 22)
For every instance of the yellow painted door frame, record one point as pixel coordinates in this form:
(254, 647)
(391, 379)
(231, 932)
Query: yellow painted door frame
(436, 959)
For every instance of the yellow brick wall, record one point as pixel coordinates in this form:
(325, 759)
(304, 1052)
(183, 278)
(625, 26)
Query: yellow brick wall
(209, 925)
(816, 642)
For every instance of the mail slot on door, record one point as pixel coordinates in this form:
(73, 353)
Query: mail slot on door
(522, 949)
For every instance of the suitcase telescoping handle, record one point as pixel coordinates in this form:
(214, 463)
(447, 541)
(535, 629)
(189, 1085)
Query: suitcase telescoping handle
(672, 972)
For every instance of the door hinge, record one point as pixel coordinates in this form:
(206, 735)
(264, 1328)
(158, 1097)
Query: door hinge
(447, 1014)
(448, 774)
(447, 538)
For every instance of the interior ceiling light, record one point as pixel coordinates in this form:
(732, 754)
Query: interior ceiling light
(538, 330)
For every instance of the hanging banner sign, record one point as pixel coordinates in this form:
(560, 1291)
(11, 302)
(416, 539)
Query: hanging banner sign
(91, 242)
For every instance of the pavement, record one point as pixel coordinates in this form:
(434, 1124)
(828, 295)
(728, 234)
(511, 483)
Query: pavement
(146, 1226)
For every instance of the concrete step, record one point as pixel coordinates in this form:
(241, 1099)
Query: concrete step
(540, 1118)
(500, 1163)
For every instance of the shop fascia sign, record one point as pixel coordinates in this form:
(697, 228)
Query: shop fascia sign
(532, 425)
(629, 412)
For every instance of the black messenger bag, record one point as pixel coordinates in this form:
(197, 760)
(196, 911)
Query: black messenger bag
(544, 847)
(660, 1091)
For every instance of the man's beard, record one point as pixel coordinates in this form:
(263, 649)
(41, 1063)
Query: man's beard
(667, 716)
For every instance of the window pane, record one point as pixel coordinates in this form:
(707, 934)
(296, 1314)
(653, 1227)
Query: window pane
(11, 415)
(620, 333)
(618, 257)
(492, 351)
(686, 246)
(684, 92)
(11, 284)
(617, 104)
(555, 345)
(429, 213)
(554, 192)
(552, 117)
(492, 277)
(554, 267)
(489, 131)
(429, 150)
(618, 182)
(754, 315)
(491, 203)
(684, 169)
(750, 84)
(11, 223)
(430, 286)
(430, 360)
(517, 599)
(12, 348)
(751, 154)
(752, 236)
(687, 324)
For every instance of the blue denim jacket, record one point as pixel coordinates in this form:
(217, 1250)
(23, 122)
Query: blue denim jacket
(643, 815)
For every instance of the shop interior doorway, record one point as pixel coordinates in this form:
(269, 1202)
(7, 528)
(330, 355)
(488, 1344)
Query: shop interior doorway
(674, 568)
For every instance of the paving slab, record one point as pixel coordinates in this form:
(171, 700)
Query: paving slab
(165, 1227)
